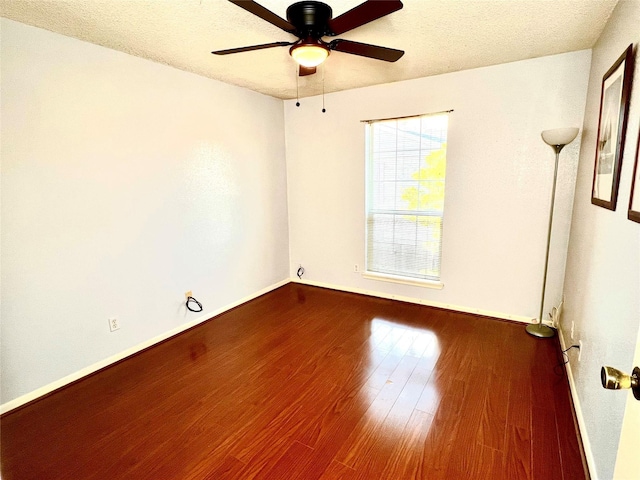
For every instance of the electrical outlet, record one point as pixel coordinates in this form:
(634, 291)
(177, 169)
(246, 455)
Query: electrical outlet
(188, 294)
(572, 326)
(356, 268)
(114, 324)
(580, 350)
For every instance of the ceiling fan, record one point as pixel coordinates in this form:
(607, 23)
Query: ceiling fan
(311, 20)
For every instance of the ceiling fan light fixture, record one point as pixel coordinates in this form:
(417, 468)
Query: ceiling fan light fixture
(309, 55)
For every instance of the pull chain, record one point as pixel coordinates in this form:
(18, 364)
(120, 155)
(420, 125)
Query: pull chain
(297, 88)
(323, 109)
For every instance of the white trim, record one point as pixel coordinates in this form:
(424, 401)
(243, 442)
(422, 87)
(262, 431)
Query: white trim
(588, 453)
(35, 394)
(419, 301)
(384, 277)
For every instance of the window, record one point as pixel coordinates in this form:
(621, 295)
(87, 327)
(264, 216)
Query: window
(406, 160)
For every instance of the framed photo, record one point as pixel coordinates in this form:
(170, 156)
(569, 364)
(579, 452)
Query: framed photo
(612, 126)
(634, 202)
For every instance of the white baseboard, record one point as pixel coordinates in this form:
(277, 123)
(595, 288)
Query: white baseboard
(35, 394)
(588, 452)
(419, 301)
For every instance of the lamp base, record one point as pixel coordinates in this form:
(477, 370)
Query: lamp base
(540, 330)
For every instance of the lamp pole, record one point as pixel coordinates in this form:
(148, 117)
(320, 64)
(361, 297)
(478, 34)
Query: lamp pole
(557, 139)
(540, 329)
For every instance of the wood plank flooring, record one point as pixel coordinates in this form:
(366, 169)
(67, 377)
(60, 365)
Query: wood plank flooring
(308, 383)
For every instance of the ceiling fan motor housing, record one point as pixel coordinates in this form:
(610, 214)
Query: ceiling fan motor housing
(311, 19)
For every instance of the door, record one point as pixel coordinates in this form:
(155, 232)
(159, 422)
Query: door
(626, 461)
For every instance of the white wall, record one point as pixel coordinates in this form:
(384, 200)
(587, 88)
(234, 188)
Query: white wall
(498, 181)
(603, 268)
(126, 183)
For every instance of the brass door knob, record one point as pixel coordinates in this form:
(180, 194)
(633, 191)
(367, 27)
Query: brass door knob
(614, 379)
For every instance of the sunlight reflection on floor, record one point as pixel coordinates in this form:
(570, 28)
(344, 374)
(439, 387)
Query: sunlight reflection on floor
(401, 361)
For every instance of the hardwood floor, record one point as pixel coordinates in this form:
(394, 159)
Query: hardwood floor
(309, 383)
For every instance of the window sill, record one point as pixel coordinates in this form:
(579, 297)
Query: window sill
(403, 280)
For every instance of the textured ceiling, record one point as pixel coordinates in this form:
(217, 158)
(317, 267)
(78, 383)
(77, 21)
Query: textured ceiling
(438, 36)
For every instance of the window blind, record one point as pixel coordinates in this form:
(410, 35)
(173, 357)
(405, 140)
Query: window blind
(406, 163)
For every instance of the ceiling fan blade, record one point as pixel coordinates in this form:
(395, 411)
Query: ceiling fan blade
(265, 14)
(366, 50)
(252, 47)
(304, 71)
(364, 13)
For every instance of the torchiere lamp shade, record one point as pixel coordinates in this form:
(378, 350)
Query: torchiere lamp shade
(559, 136)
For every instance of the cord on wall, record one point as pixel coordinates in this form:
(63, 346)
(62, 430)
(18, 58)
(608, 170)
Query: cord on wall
(193, 300)
(300, 272)
(565, 358)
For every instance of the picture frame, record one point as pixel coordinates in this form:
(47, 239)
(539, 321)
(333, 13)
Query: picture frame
(634, 200)
(612, 126)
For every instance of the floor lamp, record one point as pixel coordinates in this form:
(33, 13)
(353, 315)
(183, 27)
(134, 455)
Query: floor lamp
(557, 139)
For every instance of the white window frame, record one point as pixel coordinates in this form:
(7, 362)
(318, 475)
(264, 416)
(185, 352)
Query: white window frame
(385, 276)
